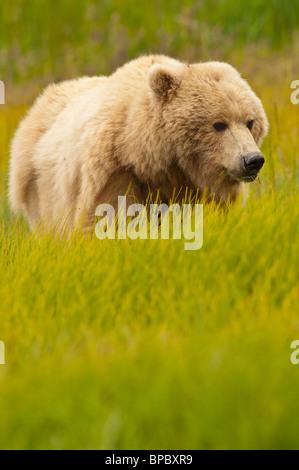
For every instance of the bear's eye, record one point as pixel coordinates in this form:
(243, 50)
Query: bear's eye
(250, 124)
(220, 126)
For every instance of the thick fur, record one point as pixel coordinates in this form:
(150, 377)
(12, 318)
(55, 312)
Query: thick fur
(148, 126)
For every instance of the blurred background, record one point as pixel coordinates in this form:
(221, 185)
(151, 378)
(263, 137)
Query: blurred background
(49, 40)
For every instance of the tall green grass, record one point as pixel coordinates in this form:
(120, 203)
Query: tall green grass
(140, 344)
(143, 345)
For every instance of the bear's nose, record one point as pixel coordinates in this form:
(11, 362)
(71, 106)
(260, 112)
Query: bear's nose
(253, 162)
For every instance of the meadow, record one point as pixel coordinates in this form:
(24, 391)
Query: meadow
(141, 344)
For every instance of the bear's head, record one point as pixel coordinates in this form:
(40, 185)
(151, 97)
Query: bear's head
(212, 121)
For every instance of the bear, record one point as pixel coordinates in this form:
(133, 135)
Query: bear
(156, 125)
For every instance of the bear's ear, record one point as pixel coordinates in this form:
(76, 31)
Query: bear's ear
(163, 80)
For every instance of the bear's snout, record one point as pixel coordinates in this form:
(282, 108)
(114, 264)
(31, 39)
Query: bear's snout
(253, 162)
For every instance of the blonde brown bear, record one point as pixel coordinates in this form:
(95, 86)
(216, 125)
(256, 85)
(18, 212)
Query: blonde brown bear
(155, 124)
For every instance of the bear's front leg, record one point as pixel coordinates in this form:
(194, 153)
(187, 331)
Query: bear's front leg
(122, 182)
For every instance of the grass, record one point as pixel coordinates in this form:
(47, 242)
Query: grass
(142, 345)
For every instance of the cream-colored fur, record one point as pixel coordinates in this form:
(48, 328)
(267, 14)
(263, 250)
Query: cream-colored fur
(148, 126)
